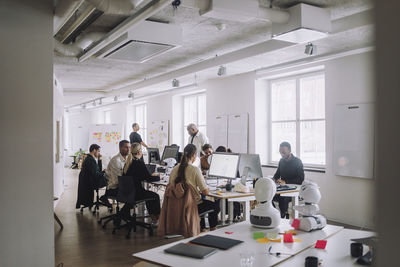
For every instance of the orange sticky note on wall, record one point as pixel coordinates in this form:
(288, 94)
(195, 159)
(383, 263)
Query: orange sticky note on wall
(288, 238)
(321, 244)
(296, 223)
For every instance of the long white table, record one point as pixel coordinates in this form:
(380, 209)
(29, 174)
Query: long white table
(231, 257)
(336, 253)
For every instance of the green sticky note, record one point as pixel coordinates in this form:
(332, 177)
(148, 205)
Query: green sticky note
(272, 235)
(257, 235)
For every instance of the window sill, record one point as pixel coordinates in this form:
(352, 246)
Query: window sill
(307, 169)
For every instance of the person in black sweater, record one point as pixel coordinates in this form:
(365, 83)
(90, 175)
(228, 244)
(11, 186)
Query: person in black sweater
(89, 177)
(290, 171)
(136, 168)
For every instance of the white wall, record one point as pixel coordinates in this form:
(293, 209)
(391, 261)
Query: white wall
(26, 115)
(58, 114)
(348, 80)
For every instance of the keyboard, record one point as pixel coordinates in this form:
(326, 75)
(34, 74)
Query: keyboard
(284, 187)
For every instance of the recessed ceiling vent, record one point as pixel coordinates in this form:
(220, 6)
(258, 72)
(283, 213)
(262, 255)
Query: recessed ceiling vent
(143, 42)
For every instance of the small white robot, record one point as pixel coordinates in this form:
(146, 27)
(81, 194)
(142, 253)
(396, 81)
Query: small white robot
(265, 215)
(310, 220)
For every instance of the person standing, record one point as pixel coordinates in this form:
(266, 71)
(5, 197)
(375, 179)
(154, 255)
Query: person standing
(89, 177)
(135, 137)
(290, 171)
(196, 137)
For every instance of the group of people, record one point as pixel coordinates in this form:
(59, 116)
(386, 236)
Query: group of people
(129, 162)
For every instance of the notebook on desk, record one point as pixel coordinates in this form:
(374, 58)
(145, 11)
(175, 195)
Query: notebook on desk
(216, 241)
(193, 251)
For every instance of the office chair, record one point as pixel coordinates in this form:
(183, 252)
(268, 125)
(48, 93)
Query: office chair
(126, 194)
(100, 183)
(111, 217)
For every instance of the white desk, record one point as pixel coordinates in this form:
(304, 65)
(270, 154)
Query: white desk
(336, 253)
(231, 257)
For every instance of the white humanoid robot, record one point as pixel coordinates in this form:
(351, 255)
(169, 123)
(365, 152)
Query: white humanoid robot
(265, 215)
(171, 162)
(310, 220)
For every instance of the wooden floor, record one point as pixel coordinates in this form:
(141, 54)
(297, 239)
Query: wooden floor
(83, 242)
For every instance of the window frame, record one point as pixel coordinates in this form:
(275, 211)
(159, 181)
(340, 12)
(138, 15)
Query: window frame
(297, 120)
(144, 126)
(197, 95)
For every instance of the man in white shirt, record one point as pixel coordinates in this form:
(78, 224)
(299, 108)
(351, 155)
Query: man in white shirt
(115, 168)
(196, 137)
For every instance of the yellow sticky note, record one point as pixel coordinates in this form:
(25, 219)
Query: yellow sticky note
(297, 240)
(293, 232)
(278, 240)
(263, 240)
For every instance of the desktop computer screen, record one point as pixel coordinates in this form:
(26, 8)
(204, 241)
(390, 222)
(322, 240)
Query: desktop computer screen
(250, 166)
(170, 152)
(154, 155)
(224, 165)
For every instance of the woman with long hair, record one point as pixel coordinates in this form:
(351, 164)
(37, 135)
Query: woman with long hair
(185, 172)
(136, 168)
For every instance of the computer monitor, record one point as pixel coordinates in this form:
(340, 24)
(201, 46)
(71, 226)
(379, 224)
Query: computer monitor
(154, 155)
(170, 152)
(224, 165)
(249, 167)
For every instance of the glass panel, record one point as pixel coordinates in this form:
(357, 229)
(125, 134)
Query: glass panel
(280, 132)
(139, 115)
(312, 97)
(107, 116)
(190, 110)
(283, 100)
(202, 110)
(312, 142)
(185, 137)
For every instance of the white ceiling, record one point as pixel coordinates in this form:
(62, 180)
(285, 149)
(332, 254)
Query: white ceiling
(201, 41)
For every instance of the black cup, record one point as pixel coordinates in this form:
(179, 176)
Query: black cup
(311, 261)
(356, 249)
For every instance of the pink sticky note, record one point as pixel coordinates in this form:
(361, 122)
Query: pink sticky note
(296, 223)
(229, 233)
(321, 244)
(288, 238)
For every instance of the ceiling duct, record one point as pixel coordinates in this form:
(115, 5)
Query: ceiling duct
(145, 41)
(307, 23)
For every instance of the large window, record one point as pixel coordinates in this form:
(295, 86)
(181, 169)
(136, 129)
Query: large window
(297, 115)
(107, 116)
(140, 117)
(194, 111)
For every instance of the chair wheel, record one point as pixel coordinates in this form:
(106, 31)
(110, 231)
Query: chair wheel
(104, 226)
(113, 232)
(81, 210)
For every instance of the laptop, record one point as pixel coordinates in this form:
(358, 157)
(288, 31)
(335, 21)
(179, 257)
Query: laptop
(151, 168)
(216, 241)
(193, 251)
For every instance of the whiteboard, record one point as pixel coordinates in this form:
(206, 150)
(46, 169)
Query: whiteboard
(238, 128)
(217, 130)
(353, 153)
(158, 135)
(107, 136)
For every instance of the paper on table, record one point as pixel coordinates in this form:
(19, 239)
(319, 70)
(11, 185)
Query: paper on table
(288, 238)
(321, 244)
(257, 235)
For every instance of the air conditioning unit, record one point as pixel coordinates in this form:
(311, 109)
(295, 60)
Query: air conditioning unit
(143, 42)
(307, 23)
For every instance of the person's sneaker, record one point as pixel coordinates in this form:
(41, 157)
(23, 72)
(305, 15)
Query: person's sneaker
(104, 200)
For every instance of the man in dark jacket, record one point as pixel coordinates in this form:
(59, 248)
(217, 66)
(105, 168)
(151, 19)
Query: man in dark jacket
(290, 171)
(89, 177)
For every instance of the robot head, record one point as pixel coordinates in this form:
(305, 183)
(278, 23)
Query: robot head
(309, 192)
(264, 190)
(171, 162)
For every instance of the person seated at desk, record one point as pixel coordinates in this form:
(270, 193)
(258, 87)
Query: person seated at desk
(186, 172)
(114, 169)
(207, 151)
(290, 171)
(223, 149)
(136, 168)
(89, 177)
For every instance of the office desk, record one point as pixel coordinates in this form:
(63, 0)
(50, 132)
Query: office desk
(336, 253)
(231, 257)
(247, 197)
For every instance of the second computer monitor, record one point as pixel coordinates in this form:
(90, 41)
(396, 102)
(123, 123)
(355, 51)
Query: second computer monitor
(154, 155)
(224, 165)
(250, 166)
(170, 152)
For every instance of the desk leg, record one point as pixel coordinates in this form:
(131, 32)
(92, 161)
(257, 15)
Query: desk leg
(295, 200)
(223, 211)
(58, 221)
(230, 211)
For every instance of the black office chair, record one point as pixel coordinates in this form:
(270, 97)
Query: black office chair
(111, 217)
(126, 194)
(100, 183)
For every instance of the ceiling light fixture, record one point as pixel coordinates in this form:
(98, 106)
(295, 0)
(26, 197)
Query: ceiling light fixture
(221, 71)
(310, 49)
(94, 103)
(175, 83)
(100, 101)
(130, 95)
(116, 98)
(67, 110)
(83, 106)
